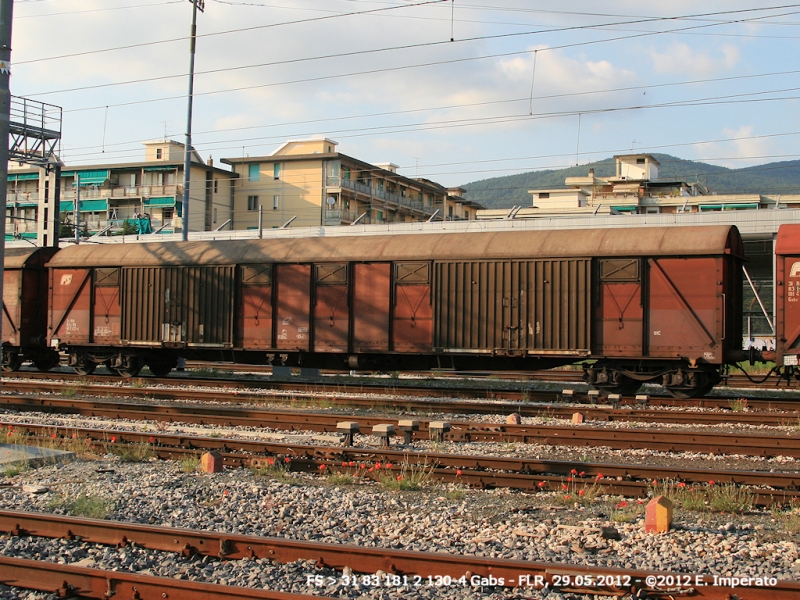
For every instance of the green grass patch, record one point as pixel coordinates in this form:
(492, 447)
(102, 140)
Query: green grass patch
(83, 505)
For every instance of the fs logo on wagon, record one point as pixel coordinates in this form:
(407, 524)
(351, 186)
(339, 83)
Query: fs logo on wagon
(795, 270)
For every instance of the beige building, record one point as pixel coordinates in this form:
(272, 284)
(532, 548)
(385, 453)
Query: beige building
(635, 189)
(310, 183)
(111, 194)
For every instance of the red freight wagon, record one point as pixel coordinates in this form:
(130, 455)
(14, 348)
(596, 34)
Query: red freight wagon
(25, 309)
(787, 296)
(651, 304)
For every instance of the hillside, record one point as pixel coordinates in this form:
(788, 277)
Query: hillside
(771, 178)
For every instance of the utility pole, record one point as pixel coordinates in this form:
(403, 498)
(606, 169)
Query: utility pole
(187, 162)
(77, 208)
(6, 14)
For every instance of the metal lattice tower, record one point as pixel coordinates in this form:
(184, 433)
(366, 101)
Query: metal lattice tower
(34, 132)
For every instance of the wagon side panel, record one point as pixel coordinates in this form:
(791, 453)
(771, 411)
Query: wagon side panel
(412, 321)
(371, 305)
(70, 305)
(331, 307)
(685, 308)
(255, 321)
(293, 307)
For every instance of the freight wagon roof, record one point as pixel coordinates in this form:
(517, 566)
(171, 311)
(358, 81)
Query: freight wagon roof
(648, 241)
(788, 241)
(16, 258)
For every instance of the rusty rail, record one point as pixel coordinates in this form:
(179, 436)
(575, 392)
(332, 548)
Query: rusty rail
(482, 471)
(552, 406)
(66, 581)
(462, 431)
(507, 399)
(401, 563)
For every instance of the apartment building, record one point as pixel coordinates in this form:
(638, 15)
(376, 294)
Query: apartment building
(635, 189)
(146, 194)
(310, 183)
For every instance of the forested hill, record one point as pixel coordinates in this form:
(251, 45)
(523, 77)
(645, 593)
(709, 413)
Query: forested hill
(771, 178)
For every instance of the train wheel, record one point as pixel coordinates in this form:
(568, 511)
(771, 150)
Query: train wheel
(697, 386)
(161, 369)
(625, 386)
(47, 362)
(133, 365)
(12, 361)
(86, 368)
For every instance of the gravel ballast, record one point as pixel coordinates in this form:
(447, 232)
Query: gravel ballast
(499, 523)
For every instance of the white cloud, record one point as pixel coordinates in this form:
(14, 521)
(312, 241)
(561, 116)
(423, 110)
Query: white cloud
(681, 58)
(739, 149)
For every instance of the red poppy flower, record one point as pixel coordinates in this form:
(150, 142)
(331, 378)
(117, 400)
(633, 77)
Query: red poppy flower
(541, 484)
(574, 471)
(459, 472)
(322, 467)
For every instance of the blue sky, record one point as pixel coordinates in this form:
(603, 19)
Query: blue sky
(524, 85)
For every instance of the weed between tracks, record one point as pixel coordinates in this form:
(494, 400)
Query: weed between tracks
(189, 463)
(738, 405)
(625, 512)
(577, 492)
(83, 505)
(54, 440)
(411, 478)
(140, 452)
(724, 498)
(788, 516)
(275, 468)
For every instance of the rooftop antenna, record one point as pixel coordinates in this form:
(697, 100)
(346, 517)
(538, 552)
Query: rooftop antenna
(578, 143)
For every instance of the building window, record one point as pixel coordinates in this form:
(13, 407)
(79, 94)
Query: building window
(166, 214)
(639, 161)
(276, 202)
(252, 203)
(544, 195)
(253, 172)
(159, 153)
(215, 185)
(276, 170)
(215, 215)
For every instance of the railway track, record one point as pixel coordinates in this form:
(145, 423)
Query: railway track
(480, 471)
(668, 440)
(555, 404)
(400, 566)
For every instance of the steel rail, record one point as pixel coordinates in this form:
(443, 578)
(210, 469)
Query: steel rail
(401, 563)
(397, 388)
(482, 471)
(461, 407)
(665, 440)
(66, 581)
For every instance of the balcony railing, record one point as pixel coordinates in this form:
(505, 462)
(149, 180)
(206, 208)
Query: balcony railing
(139, 191)
(380, 194)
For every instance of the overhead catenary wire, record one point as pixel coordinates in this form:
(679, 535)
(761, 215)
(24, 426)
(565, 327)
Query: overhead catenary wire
(368, 52)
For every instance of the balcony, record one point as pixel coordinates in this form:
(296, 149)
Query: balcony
(381, 195)
(139, 191)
